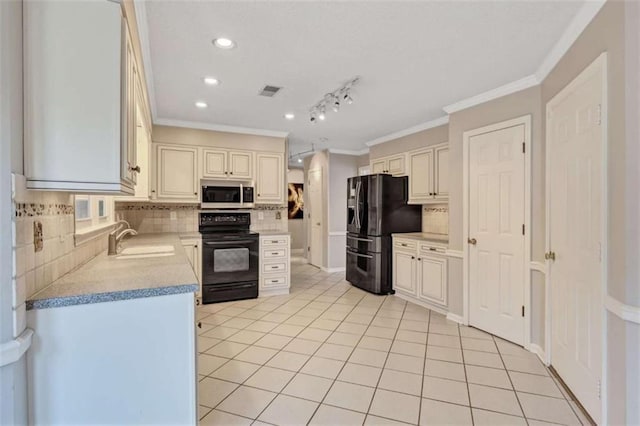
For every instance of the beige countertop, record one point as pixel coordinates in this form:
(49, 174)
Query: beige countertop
(109, 278)
(425, 236)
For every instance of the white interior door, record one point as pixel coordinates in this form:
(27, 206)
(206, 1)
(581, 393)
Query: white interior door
(496, 219)
(315, 216)
(575, 146)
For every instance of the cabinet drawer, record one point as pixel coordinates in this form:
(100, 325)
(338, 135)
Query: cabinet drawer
(274, 253)
(274, 267)
(274, 281)
(275, 241)
(426, 248)
(405, 244)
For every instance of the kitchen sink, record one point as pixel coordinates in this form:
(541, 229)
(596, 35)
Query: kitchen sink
(142, 252)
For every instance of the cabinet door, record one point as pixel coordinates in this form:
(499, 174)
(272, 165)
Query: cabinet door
(404, 272)
(240, 165)
(128, 110)
(378, 166)
(214, 163)
(396, 166)
(420, 176)
(433, 279)
(270, 178)
(441, 188)
(177, 172)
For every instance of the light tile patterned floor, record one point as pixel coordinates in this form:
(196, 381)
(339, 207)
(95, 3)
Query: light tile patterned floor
(331, 354)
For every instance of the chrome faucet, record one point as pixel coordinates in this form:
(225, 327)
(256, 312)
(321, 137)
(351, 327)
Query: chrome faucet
(115, 237)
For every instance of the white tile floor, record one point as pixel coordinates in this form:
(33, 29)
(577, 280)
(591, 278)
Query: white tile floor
(331, 354)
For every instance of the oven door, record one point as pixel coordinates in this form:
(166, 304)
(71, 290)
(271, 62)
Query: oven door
(226, 261)
(221, 196)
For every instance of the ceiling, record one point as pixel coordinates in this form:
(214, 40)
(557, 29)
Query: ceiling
(413, 59)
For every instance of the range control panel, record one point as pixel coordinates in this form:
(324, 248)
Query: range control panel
(213, 219)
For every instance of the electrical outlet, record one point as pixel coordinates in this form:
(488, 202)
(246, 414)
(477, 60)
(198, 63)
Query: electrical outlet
(37, 236)
(278, 215)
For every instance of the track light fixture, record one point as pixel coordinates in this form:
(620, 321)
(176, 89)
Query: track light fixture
(300, 154)
(333, 100)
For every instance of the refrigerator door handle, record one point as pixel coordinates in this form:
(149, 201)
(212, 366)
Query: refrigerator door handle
(359, 239)
(358, 184)
(368, 256)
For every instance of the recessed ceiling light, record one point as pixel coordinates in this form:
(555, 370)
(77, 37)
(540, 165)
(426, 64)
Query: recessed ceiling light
(224, 43)
(201, 104)
(211, 81)
(321, 116)
(289, 116)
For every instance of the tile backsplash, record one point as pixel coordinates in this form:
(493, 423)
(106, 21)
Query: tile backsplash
(34, 270)
(435, 219)
(147, 217)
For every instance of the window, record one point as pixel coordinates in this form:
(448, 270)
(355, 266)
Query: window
(94, 214)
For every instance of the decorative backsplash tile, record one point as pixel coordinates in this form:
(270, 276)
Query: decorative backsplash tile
(435, 218)
(33, 209)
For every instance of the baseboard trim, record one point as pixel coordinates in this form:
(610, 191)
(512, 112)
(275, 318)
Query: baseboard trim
(333, 270)
(626, 312)
(438, 309)
(274, 292)
(536, 349)
(455, 318)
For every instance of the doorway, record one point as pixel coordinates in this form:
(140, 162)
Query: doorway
(315, 217)
(496, 212)
(576, 233)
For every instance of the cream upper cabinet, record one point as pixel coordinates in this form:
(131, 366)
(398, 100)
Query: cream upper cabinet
(223, 164)
(441, 187)
(80, 140)
(176, 173)
(214, 163)
(378, 166)
(270, 178)
(429, 175)
(393, 164)
(420, 176)
(240, 165)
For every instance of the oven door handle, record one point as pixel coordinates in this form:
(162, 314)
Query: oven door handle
(368, 256)
(219, 243)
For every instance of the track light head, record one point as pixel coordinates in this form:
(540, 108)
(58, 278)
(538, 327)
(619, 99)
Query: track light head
(336, 104)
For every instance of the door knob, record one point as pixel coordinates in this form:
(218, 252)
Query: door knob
(550, 255)
(472, 241)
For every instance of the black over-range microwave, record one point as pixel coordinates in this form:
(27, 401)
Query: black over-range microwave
(226, 195)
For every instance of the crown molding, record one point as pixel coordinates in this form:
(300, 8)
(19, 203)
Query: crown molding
(143, 34)
(220, 127)
(348, 151)
(411, 130)
(585, 15)
(507, 89)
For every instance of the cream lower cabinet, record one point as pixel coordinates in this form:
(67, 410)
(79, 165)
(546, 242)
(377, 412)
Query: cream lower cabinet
(270, 182)
(193, 249)
(275, 273)
(429, 175)
(420, 273)
(393, 164)
(176, 173)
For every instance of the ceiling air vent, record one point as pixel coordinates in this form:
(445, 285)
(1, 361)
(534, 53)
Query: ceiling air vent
(269, 91)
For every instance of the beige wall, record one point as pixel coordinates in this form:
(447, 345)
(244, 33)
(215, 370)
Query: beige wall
(187, 136)
(417, 140)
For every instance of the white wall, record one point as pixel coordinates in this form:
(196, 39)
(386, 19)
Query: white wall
(297, 227)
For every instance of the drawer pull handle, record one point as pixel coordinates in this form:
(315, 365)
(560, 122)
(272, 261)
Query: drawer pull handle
(275, 267)
(403, 245)
(274, 241)
(275, 253)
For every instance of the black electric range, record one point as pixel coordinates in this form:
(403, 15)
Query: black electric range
(230, 256)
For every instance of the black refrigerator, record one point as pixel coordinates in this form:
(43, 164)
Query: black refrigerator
(376, 208)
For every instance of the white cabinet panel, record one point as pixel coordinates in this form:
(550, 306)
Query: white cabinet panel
(404, 272)
(214, 163)
(177, 172)
(420, 176)
(395, 165)
(433, 278)
(240, 165)
(270, 178)
(274, 265)
(441, 188)
(79, 103)
(378, 166)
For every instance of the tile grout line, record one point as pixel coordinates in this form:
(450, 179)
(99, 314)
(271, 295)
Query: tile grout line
(424, 368)
(510, 381)
(466, 377)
